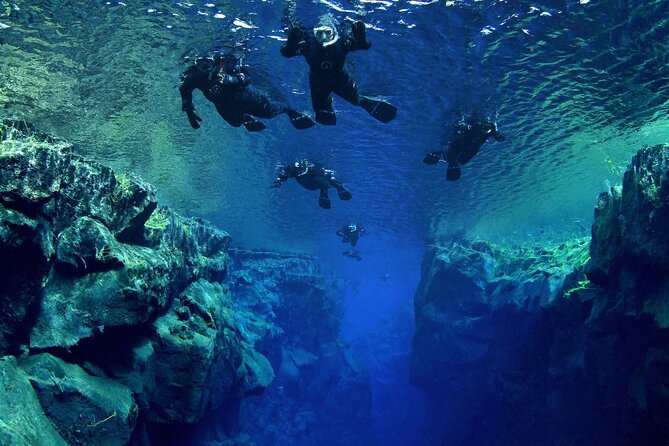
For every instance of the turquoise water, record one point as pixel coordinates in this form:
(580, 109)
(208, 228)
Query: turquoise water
(579, 86)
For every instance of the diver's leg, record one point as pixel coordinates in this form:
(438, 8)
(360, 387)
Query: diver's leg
(342, 192)
(324, 199)
(259, 104)
(321, 101)
(348, 89)
(232, 115)
(453, 172)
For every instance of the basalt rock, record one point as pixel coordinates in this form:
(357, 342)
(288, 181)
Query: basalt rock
(23, 419)
(115, 306)
(85, 409)
(542, 345)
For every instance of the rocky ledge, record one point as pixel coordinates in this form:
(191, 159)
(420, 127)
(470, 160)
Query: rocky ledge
(117, 324)
(124, 323)
(562, 345)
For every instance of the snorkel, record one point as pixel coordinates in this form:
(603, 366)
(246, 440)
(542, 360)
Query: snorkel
(325, 32)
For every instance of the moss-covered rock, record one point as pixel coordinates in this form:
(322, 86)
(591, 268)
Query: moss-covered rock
(630, 237)
(204, 362)
(23, 421)
(85, 409)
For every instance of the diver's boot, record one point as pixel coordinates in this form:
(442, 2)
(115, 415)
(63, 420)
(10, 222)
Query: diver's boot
(432, 157)
(253, 125)
(453, 172)
(326, 115)
(343, 193)
(299, 120)
(380, 110)
(324, 199)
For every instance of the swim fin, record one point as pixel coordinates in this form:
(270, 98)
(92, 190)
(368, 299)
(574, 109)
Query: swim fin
(343, 193)
(253, 125)
(432, 157)
(326, 117)
(453, 172)
(380, 110)
(299, 120)
(324, 199)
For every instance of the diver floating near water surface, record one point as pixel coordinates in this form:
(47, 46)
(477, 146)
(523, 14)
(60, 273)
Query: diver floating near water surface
(312, 176)
(468, 135)
(325, 48)
(224, 80)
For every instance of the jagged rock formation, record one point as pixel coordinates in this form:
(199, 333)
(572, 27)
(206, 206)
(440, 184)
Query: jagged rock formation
(115, 309)
(517, 346)
(320, 388)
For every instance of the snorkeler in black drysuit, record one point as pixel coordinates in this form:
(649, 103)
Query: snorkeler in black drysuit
(466, 142)
(325, 51)
(351, 233)
(225, 82)
(312, 176)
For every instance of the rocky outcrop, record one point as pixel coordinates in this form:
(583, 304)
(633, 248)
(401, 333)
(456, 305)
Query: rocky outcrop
(630, 238)
(115, 308)
(544, 345)
(23, 421)
(320, 387)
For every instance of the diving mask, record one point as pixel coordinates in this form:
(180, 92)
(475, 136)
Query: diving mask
(325, 35)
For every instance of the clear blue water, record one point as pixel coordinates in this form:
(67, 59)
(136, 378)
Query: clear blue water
(578, 86)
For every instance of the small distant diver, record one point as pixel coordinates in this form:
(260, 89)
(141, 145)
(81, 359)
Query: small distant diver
(352, 254)
(312, 176)
(351, 233)
(224, 80)
(325, 50)
(468, 136)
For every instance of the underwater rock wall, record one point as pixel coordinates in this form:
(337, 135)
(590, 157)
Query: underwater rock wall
(321, 395)
(117, 325)
(547, 345)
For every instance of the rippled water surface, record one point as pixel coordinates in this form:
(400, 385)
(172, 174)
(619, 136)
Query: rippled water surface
(578, 87)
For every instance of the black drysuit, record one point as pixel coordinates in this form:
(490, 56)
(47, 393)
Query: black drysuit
(328, 73)
(235, 100)
(313, 177)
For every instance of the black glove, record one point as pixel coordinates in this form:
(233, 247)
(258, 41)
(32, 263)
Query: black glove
(243, 79)
(359, 35)
(276, 183)
(294, 36)
(193, 119)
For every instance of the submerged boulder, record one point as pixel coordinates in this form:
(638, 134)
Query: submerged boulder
(85, 409)
(23, 421)
(204, 362)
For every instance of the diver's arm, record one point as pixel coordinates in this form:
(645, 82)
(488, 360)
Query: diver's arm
(280, 179)
(358, 38)
(188, 84)
(295, 44)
